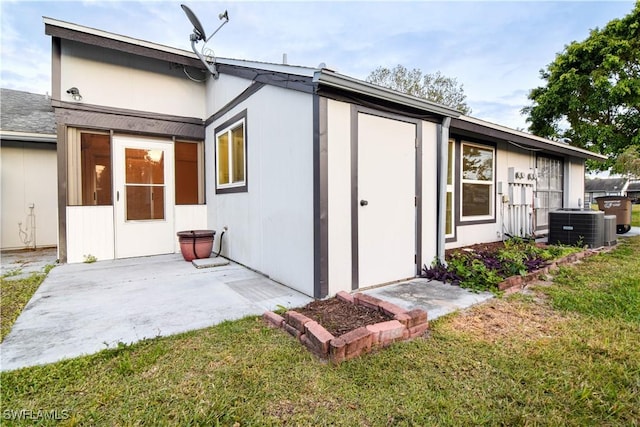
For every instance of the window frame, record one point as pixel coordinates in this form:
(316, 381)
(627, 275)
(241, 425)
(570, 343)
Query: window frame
(227, 128)
(491, 217)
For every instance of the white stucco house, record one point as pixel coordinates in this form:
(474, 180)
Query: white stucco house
(322, 182)
(28, 188)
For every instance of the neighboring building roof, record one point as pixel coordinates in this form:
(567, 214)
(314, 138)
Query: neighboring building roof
(634, 186)
(321, 76)
(604, 185)
(26, 116)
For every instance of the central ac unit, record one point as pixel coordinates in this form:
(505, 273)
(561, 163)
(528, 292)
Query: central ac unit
(574, 226)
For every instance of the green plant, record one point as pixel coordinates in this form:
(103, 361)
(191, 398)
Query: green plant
(90, 259)
(280, 309)
(513, 262)
(483, 270)
(482, 278)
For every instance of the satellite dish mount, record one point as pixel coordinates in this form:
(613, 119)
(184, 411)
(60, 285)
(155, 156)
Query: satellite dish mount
(199, 34)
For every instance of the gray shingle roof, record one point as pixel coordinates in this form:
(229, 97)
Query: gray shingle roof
(634, 186)
(26, 112)
(604, 184)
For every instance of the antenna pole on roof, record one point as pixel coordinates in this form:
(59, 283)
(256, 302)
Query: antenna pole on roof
(199, 34)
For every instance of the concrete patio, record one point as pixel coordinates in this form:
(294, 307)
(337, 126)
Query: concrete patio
(84, 308)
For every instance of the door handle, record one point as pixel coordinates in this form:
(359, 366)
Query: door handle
(364, 202)
(117, 196)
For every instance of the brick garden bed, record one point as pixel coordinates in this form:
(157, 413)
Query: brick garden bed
(517, 283)
(405, 325)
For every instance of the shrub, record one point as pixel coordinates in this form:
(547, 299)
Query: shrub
(483, 270)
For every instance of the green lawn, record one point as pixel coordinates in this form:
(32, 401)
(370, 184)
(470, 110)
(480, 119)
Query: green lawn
(15, 294)
(635, 215)
(564, 354)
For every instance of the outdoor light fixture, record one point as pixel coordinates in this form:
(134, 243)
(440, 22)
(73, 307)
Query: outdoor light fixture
(75, 93)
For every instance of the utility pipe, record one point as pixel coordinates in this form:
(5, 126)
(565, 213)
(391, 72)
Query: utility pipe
(443, 162)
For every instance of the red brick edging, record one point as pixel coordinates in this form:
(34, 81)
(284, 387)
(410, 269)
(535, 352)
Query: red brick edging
(516, 283)
(406, 325)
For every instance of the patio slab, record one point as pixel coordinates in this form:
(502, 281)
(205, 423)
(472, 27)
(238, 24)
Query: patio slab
(436, 298)
(84, 308)
(19, 264)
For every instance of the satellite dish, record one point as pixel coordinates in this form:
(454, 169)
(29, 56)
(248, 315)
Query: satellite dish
(199, 34)
(198, 30)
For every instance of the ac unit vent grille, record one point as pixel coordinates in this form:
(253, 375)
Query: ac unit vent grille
(570, 227)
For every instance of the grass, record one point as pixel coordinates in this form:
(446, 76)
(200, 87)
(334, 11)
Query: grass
(16, 293)
(616, 296)
(554, 356)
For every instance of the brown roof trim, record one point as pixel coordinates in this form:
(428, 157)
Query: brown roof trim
(470, 129)
(274, 78)
(122, 46)
(124, 112)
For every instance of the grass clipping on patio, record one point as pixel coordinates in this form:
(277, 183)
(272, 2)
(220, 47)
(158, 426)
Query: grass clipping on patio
(552, 356)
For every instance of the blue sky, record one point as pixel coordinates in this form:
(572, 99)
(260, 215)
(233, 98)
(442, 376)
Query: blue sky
(494, 48)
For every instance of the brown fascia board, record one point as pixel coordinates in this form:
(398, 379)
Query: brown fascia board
(474, 130)
(58, 104)
(118, 45)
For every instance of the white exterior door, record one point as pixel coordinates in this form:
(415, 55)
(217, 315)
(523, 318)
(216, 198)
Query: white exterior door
(386, 200)
(144, 199)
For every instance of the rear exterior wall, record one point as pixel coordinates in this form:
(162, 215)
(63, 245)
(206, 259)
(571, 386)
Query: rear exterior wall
(269, 227)
(121, 80)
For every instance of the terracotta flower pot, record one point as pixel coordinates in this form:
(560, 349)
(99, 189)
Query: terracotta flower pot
(196, 244)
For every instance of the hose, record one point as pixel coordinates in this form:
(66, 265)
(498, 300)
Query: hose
(193, 241)
(220, 247)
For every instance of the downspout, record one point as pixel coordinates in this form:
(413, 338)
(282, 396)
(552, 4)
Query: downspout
(443, 161)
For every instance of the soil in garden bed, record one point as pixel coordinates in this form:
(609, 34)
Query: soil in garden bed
(339, 317)
(491, 247)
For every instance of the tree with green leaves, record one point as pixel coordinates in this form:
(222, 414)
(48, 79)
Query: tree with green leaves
(628, 162)
(432, 87)
(592, 91)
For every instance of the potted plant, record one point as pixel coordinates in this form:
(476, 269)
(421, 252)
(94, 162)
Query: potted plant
(196, 244)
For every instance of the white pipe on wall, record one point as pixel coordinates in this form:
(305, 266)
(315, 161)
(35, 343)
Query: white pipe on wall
(443, 156)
